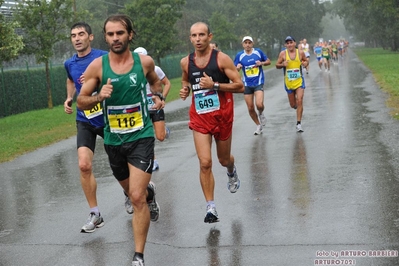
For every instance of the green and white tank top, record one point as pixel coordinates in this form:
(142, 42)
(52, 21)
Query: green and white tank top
(126, 113)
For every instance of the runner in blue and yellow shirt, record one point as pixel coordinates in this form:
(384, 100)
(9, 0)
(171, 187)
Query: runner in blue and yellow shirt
(251, 60)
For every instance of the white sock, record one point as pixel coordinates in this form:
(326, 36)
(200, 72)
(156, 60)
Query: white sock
(95, 210)
(211, 204)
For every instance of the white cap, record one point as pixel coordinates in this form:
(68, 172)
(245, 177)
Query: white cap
(247, 38)
(140, 50)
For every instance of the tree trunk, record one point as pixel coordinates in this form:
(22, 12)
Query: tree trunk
(158, 61)
(394, 45)
(48, 85)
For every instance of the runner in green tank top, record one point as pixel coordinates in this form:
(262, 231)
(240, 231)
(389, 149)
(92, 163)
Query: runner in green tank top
(127, 108)
(326, 52)
(334, 51)
(128, 134)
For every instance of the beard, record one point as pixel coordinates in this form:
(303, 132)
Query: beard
(119, 48)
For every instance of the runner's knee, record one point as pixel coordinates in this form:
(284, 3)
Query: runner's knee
(85, 166)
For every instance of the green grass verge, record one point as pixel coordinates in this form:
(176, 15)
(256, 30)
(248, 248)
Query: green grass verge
(26, 132)
(383, 64)
(175, 86)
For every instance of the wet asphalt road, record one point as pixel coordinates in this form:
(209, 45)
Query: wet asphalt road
(303, 197)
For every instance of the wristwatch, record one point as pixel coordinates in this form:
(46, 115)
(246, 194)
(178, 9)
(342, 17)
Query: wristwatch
(216, 86)
(159, 95)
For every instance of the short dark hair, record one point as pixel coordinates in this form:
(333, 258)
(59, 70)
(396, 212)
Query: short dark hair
(82, 24)
(125, 20)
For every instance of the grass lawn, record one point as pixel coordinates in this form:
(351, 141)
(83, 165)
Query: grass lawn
(28, 131)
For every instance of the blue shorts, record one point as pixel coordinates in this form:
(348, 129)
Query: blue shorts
(252, 89)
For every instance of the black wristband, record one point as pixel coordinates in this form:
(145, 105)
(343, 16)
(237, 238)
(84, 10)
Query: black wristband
(160, 96)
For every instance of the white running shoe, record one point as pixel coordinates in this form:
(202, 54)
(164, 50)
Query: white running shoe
(262, 119)
(211, 215)
(167, 134)
(155, 167)
(233, 183)
(94, 221)
(299, 128)
(128, 205)
(258, 130)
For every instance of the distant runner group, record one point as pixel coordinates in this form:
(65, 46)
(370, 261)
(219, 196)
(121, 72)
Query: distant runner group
(327, 51)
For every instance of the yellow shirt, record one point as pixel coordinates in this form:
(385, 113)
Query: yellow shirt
(293, 71)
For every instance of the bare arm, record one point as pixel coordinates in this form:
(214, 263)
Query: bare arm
(227, 65)
(166, 86)
(281, 62)
(303, 58)
(266, 63)
(71, 90)
(230, 70)
(93, 73)
(149, 71)
(70, 87)
(152, 78)
(185, 90)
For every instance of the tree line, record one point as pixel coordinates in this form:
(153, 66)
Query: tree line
(41, 28)
(374, 21)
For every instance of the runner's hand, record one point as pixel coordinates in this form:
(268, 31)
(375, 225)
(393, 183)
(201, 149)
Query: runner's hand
(82, 78)
(206, 82)
(68, 106)
(158, 103)
(184, 93)
(106, 91)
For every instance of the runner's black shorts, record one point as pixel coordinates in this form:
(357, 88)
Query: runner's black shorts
(157, 115)
(87, 135)
(139, 153)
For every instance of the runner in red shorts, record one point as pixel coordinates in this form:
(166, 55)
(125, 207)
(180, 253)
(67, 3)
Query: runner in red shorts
(211, 77)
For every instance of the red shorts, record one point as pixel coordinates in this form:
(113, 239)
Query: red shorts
(220, 131)
(217, 123)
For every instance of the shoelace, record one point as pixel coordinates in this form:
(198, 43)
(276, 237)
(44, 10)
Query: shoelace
(90, 218)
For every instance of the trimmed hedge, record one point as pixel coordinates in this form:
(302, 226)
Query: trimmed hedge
(24, 90)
